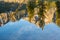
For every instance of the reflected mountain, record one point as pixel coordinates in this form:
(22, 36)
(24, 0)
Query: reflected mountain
(40, 14)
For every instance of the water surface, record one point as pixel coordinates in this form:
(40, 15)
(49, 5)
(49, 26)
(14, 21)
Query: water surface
(24, 30)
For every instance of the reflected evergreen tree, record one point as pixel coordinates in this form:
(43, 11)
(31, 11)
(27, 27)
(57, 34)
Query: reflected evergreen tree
(41, 14)
(58, 9)
(58, 13)
(30, 8)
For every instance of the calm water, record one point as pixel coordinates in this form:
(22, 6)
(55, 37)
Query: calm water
(23, 30)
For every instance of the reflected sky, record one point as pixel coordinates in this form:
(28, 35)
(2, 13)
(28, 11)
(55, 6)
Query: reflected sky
(24, 30)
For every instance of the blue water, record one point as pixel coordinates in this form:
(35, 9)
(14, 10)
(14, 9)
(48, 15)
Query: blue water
(23, 30)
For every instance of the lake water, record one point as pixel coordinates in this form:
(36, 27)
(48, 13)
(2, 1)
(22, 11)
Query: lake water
(23, 30)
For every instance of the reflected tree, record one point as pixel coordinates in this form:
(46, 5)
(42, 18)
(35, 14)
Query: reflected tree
(30, 9)
(41, 14)
(58, 13)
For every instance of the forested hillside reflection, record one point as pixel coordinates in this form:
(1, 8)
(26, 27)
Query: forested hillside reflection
(37, 12)
(6, 6)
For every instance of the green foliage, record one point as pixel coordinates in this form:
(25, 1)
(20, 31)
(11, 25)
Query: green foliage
(41, 13)
(58, 10)
(58, 6)
(30, 7)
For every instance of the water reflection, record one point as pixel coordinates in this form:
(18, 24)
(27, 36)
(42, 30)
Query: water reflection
(19, 29)
(58, 22)
(39, 14)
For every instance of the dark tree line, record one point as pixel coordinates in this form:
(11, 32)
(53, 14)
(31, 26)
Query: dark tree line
(5, 6)
(58, 8)
(58, 13)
